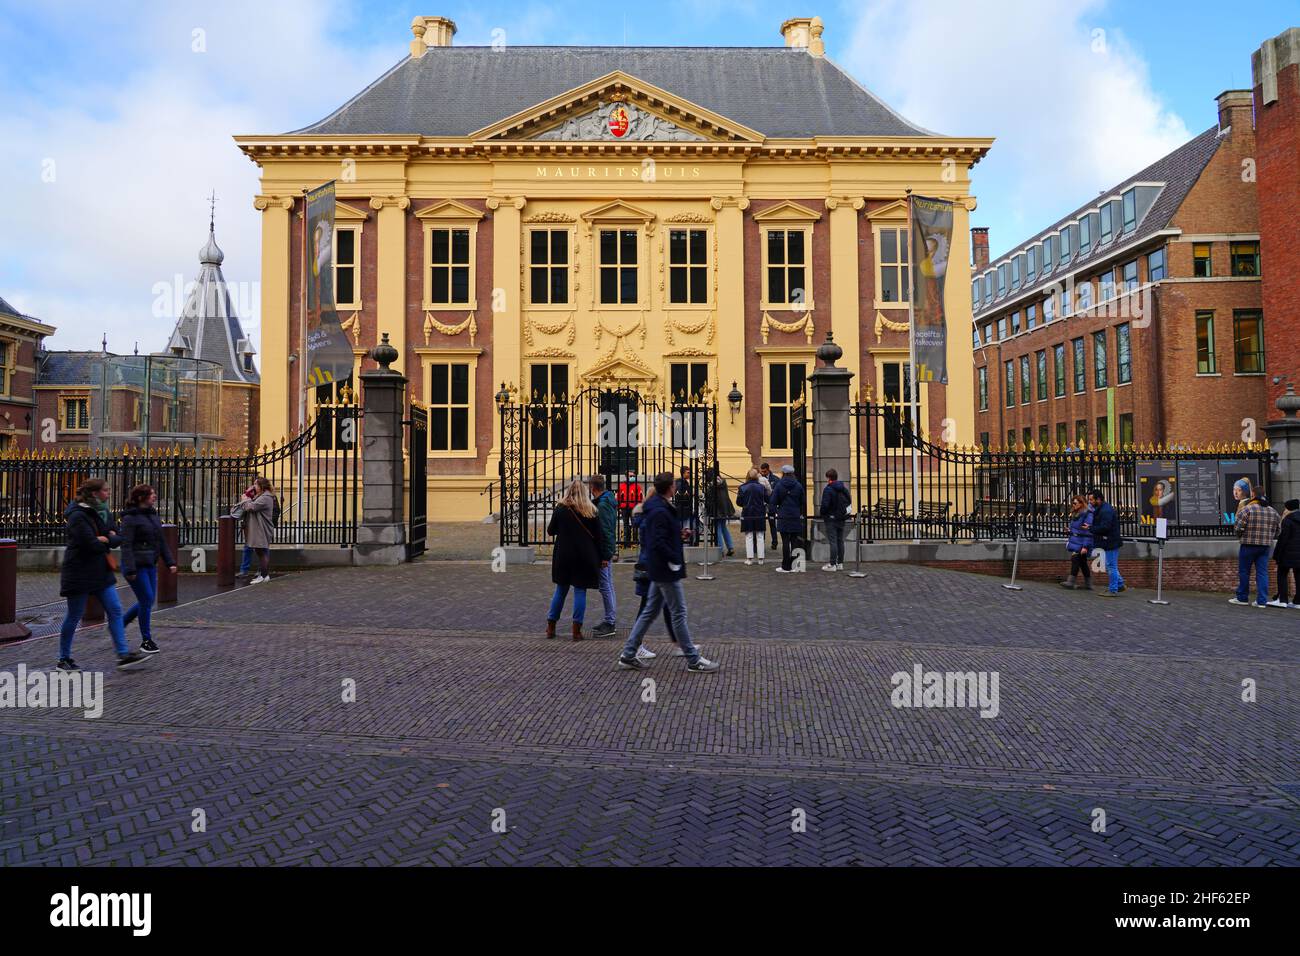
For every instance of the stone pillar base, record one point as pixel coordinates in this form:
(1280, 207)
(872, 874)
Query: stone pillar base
(380, 544)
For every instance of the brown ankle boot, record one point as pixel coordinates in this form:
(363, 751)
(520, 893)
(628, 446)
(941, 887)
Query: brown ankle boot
(550, 630)
(577, 631)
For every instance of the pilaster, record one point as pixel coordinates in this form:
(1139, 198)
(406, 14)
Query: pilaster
(733, 454)
(276, 370)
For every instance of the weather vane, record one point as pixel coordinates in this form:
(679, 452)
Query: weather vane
(212, 211)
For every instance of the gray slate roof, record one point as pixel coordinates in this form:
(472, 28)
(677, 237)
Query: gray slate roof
(7, 309)
(777, 91)
(209, 327)
(69, 368)
(1178, 170)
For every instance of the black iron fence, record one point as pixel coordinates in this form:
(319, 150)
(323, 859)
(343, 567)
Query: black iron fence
(907, 488)
(315, 474)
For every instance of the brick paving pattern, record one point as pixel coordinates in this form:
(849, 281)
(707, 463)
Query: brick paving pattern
(463, 709)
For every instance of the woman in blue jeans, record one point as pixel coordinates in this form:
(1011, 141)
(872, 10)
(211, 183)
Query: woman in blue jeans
(86, 571)
(143, 543)
(576, 559)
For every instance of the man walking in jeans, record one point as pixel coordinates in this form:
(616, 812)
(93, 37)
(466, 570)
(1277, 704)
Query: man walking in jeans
(1107, 539)
(607, 509)
(663, 535)
(1257, 528)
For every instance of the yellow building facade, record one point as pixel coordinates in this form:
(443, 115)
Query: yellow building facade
(659, 219)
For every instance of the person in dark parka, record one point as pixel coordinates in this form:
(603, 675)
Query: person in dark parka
(752, 498)
(787, 506)
(577, 556)
(86, 571)
(834, 511)
(143, 543)
(1287, 556)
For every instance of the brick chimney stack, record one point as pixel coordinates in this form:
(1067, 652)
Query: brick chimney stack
(979, 247)
(1235, 108)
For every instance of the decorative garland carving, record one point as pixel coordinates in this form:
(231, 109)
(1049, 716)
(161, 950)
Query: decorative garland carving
(621, 332)
(884, 323)
(690, 217)
(804, 325)
(689, 351)
(551, 217)
(531, 325)
(704, 324)
(433, 325)
(550, 353)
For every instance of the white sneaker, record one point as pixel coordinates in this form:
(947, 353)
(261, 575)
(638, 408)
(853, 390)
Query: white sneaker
(644, 653)
(1276, 603)
(784, 571)
(680, 653)
(260, 579)
(828, 567)
(760, 562)
(1294, 607)
(749, 561)
(1233, 600)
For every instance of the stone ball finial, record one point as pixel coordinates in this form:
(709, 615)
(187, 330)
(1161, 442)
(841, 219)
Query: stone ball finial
(829, 352)
(384, 354)
(1289, 403)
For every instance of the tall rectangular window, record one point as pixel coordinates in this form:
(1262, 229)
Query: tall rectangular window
(8, 352)
(1206, 362)
(1002, 328)
(1156, 265)
(787, 265)
(347, 290)
(687, 381)
(1130, 276)
(334, 414)
(548, 265)
(1081, 432)
(1015, 272)
(618, 266)
(1243, 257)
(449, 266)
(1107, 228)
(1103, 432)
(449, 408)
(1123, 355)
(1062, 435)
(1011, 439)
(894, 281)
(1084, 291)
(1106, 292)
(897, 403)
(1041, 374)
(1201, 265)
(1002, 280)
(1026, 436)
(1130, 210)
(988, 288)
(1099, 376)
(1126, 430)
(1031, 316)
(549, 406)
(1085, 235)
(1009, 380)
(1058, 366)
(1024, 380)
(984, 388)
(1048, 244)
(76, 414)
(1248, 339)
(688, 266)
(1031, 262)
(1080, 374)
(1049, 307)
(1015, 323)
(1063, 246)
(785, 384)
(1042, 437)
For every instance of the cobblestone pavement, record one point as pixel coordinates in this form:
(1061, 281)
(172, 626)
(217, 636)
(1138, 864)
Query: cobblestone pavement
(463, 715)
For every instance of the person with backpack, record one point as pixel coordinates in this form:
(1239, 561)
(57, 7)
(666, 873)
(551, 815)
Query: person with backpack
(88, 570)
(1257, 529)
(1079, 544)
(1287, 555)
(721, 511)
(143, 543)
(752, 499)
(834, 512)
(263, 513)
(1106, 536)
(787, 507)
(577, 557)
(607, 510)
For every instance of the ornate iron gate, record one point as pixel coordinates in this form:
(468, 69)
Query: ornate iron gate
(619, 433)
(799, 422)
(418, 490)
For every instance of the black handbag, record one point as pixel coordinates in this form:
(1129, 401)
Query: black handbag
(640, 573)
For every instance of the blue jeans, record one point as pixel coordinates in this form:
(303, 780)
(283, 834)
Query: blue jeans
(246, 562)
(835, 536)
(672, 595)
(145, 587)
(607, 594)
(1252, 555)
(1112, 571)
(557, 603)
(77, 607)
(722, 534)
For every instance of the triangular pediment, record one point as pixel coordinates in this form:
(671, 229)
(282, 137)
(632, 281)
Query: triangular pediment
(620, 367)
(618, 211)
(894, 210)
(786, 212)
(448, 209)
(618, 108)
(345, 213)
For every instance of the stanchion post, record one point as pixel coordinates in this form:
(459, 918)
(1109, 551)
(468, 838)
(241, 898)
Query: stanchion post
(166, 577)
(10, 629)
(858, 523)
(1160, 574)
(1015, 565)
(226, 551)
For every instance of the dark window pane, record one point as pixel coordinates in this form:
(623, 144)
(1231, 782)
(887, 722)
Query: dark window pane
(438, 430)
(778, 423)
(460, 384)
(539, 287)
(539, 247)
(438, 385)
(698, 255)
(608, 285)
(699, 377)
(538, 383)
(797, 373)
(559, 383)
(776, 383)
(627, 285)
(776, 284)
(794, 248)
(460, 429)
(345, 251)
(460, 283)
(460, 246)
(776, 247)
(559, 285)
(677, 284)
(560, 428)
(438, 288)
(889, 246)
(893, 388)
(889, 291)
(608, 246)
(559, 247)
(677, 246)
(699, 284)
(798, 293)
(344, 286)
(677, 383)
(627, 247)
(439, 246)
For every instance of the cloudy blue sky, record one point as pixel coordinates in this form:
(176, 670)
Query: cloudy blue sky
(115, 119)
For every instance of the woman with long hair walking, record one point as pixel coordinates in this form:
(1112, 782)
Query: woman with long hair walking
(88, 570)
(576, 558)
(261, 512)
(143, 543)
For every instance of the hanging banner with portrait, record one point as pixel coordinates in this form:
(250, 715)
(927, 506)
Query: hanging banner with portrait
(930, 235)
(328, 353)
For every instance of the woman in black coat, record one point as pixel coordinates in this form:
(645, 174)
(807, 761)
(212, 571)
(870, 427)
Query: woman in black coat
(86, 571)
(575, 559)
(752, 499)
(143, 543)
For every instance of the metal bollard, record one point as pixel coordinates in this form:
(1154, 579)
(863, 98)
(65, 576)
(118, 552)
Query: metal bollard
(1015, 566)
(167, 580)
(227, 526)
(858, 525)
(10, 629)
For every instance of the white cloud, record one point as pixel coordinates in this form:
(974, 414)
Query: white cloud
(136, 151)
(1067, 98)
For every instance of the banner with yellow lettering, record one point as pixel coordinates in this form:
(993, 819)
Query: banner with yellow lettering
(329, 356)
(931, 243)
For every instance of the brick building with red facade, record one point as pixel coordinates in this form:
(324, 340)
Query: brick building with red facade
(20, 343)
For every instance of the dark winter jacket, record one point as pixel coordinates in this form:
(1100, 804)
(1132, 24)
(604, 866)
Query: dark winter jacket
(720, 505)
(607, 509)
(575, 560)
(143, 541)
(786, 505)
(85, 559)
(1080, 531)
(1105, 528)
(684, 498)
(642, 557)
(1288, 542)
(836, 501)
(661, 530)
(752, 499)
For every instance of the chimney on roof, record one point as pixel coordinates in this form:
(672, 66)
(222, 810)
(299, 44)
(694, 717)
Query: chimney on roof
(979, 246)
(805, 33)
(430, 31)
(1236, 109)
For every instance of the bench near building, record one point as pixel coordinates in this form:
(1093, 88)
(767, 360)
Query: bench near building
(664, 220)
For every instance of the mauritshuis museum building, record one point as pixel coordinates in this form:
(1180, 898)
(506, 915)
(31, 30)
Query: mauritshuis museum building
(663, 220)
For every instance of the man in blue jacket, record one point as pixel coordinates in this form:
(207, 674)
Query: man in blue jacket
(1106, 538)
(663, 536)
(607, 508)
(786, 505)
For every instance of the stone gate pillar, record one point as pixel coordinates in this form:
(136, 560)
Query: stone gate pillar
(832, 431)
(381, 536)
(1284, 440)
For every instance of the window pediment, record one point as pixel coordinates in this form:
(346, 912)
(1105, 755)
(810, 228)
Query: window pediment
(449, 210)
(345, 213)
(787, 212)
(618, 211)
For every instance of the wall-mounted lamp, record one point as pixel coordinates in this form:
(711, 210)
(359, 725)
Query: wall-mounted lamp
(502, 398)
(734, 398)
